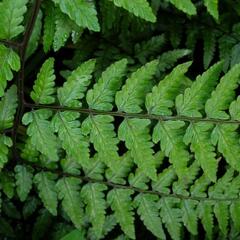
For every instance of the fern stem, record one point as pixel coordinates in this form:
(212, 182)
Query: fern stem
(132, 115)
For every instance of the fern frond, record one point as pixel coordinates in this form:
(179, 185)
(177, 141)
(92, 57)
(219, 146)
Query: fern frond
(135, 133)
(40, 132)
(69, 192)
(121, 204)
(23, 181)
(130, 97)
(8, 106)
(209, 40)
(185, 5)
(44, 86)
(10, 61)
(148, 211)
(80, 11)
(67, 125)
(5, 144)
(46, 185)
(102, 94)
(12, 12)
(74, 88)
(93, 197)
(139, 8)
(212, 7)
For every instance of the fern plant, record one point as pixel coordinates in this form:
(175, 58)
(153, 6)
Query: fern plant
(128, 138)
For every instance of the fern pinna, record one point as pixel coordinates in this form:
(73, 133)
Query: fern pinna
(121, 135)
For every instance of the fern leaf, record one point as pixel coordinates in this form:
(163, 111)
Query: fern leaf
(164, 180)
(8, 106)
(69, 192)
(120, 169)
(185, 5)
(67, 125)
(222, 214)
(235, 211)
(121, 203)
(135, 133)
(7, 183)
(5, 144)
(160, 100)
(35, 36)
(80, 11)
(74, 88)
(46, 186)
(205, 213)
(212, 7)
(93, 196)
(223, 95)
(44, 86)
(209, 39)
(130, 98)
(102, 94)
(48, 27)
(10, 61)
(170, 134)
(23, 181)
(169, 58)
(148, 48)
(102, 135)
(171, 216)
(138, 179)
(139, 8)
(41, 132)
(12, 12)
(148, 211)
(193, 100)
(190, 215)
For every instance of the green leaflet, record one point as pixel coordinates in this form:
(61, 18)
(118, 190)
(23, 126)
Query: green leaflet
(170, 134)
(80, 11)
(5, 143)
(67, 125)
(194, 98)
(185, 5)
(223, 95)
(130, 98)
(209, 39)
(40, 132)
(44, 86)
(76, 85)
(10, 61)
(23, 181)
(120, 201)
(102, 135)
(161, 99)
(68, 191)
(212, 7)
(135, 133)
(148, 211)
(12, 12)
(46, 186)
(8, 105)
(93, 197)
(102, 94)
(139, 8)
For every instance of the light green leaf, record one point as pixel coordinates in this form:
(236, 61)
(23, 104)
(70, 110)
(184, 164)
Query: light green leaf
(12, 14)
(185, 5)
(139, 8)
(41, 132)
(8, 106)
(46, 189)
(121, 203)
(93, 197)
(23, 181)
(69, 192)
(102, 94)
(82, 12)
(44, 86)
(5, 143)
(9, 61)
(212, 7)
